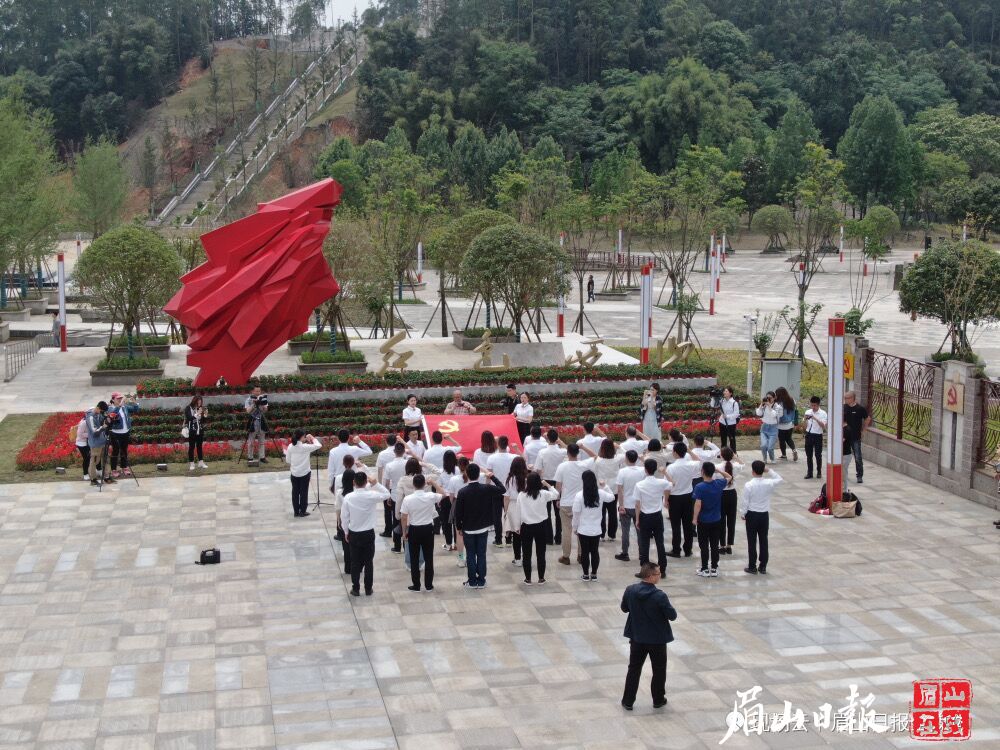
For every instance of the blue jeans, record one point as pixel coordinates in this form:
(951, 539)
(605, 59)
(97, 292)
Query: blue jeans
(768, 438)
(475, 557)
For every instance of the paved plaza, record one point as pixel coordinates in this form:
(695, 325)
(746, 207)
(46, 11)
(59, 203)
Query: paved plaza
(112, 638)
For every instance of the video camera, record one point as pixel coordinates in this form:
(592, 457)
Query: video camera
(715, 397)
(259, 401)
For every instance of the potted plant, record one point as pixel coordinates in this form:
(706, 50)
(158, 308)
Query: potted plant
(125, 370)
(319, 362)
(311, 341)
(156, 346)
(470, 338)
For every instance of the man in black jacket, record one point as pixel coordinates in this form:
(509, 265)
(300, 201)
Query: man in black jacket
(474, 518)
(648, 630)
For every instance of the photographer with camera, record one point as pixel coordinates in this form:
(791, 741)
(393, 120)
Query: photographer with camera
(98, 422)
(121, 410)
(256, 407)
(729, 418)
(770, 412)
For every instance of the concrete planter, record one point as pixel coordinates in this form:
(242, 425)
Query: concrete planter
(124, 377)
(162, 351)
(15, 315)
(301, 347)
(322, 368)
(468, 343)
(4, 332)
(36, 306)
(94, 315)
(616, 296)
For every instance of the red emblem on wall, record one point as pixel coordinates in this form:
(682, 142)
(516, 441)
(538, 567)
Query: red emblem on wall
(264, 276)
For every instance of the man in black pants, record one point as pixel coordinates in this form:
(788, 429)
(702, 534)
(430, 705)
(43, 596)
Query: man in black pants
(858, 420)
(682, 473)
(755, 509)
(416, 515)
(651, 494)
(358, 516)
(815, 419)
(648, 630)
(121, 432)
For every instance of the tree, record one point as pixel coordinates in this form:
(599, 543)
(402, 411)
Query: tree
(516, 265)
(29, 200)
(133, 272)
(877, 156)
(956, 283)
(448, 247)
(254, 64)
(349, 253)
(819, 188)
(874, 231)
(148, 172)
(100, 187)
(776, 222)
(788, 145)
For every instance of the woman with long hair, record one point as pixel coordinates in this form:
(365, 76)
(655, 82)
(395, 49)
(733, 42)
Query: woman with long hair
(769, 412)
(297, 455)
(606, 467)
(487, 447)
(651, 411)
(729, 418)
(655, 451)
(786, 423)
(587, 523)
(194, 419)
(729, 502)
(532, 505)
(449, 471)
(457, 482)
(517, 482)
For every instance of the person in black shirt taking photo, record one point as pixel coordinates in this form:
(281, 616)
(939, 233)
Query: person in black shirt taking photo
(857, 419)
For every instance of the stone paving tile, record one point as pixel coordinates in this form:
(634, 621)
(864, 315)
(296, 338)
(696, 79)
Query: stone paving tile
(111, 637)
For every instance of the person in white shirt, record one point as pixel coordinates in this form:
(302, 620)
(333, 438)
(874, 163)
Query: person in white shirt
(417, 514)
(592, 437)
(516, 483)
(297, 455)
(676, 436)
(435, 454)
(770, 413)
(487, 447)
(498, 464)
(341, 486)
(359, 514)
(587, 522)
(815, 419)
(533, 505)
(651, 495)
(729, 417)
(449, 470)
(455, 483)
(524, 413)
(704, 450)
(568, 482)
(414, 445)
(82, 446)
(345, 445)
(634, 441)
(755, 510)
(383, 459)
(413, 417)
(681, 472)
(402, 488)
(546, 464)
(393, 472)
(656, 452)
(606, 466)
(627, 478)
(729, 500)
(532, 446)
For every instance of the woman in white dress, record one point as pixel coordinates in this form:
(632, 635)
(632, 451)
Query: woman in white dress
(651, 411)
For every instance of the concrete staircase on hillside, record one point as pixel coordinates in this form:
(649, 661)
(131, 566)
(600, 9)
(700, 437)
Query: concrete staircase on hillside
(210, 192)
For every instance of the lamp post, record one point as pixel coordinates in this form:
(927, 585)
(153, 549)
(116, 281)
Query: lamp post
(751, 322)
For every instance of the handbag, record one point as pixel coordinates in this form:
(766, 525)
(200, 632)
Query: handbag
(185, 432)
(844, 509)
(210, 556)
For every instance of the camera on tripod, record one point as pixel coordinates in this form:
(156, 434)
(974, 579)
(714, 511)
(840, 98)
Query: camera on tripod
(715, 397)
(259, 401)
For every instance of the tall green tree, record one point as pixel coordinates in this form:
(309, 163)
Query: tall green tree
(788, 146)
(877, 154)
(100, 187)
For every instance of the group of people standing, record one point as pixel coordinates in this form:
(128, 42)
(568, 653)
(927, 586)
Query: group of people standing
(105, 432)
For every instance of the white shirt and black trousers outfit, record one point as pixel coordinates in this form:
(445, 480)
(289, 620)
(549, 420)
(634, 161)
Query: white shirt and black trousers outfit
(681, 506)
(420, 510)
(649, 506)
(728, 420)
(358, 516)
(814, 442)
(535, 528)
(297, 456)
(756, 508)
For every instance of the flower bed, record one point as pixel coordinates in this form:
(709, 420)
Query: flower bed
(426, 379)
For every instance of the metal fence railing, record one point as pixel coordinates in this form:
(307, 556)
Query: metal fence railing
(901, 394)
(989, 424)
(16, 355)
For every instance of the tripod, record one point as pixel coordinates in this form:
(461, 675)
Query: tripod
(103, 464)
(316, 470)
(244, 452)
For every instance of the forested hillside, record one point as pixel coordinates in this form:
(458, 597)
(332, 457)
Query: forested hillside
(897, 88)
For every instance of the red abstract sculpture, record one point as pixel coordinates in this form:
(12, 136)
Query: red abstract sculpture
(264, 276)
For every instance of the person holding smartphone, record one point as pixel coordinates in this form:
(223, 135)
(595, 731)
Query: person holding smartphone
(815, 419)
(770, 413)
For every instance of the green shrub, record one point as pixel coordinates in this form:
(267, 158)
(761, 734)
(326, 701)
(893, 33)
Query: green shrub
(325, 336)
(124, 363)
(121, 341)
(477, 333)
(324, 357)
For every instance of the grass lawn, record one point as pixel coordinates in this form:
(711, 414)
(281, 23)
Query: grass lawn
(731, 366)
(342, 105)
